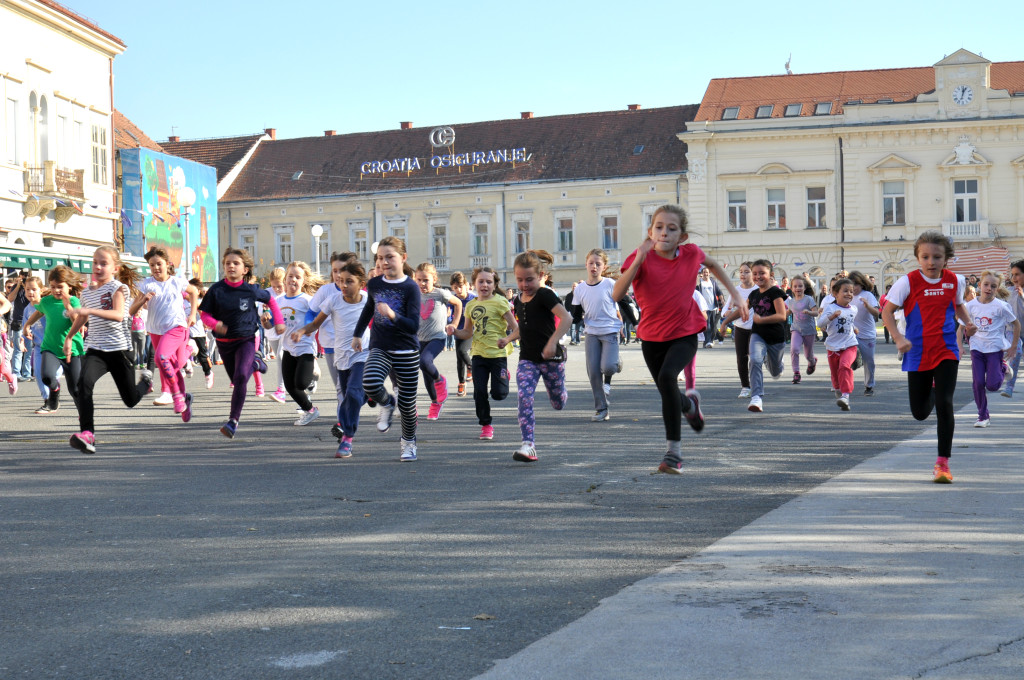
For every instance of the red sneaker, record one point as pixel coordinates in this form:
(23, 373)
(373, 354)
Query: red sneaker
(942, 473)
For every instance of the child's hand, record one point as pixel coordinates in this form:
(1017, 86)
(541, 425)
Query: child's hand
(1010, 354)
(27, 332)
(549, 350)
(220, 329)
(385, 310)
(280, 329)
(502, 343)
(833, 315)
(357, 344)
(645, 247)
(297, 336)
(191, 320)
(449, 329)
(75, 312)
(903, 345)
(970, 329)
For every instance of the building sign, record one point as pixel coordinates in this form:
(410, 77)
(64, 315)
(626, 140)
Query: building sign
(439, 138)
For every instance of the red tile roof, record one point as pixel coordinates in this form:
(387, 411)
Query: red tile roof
(80, 19)
(840, 87)
(578, 146)
(222, 153)
(127, 135)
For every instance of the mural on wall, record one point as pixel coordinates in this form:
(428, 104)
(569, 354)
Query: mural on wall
(154, 217)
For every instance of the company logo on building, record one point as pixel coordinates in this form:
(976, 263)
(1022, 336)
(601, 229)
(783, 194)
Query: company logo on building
(444, 137)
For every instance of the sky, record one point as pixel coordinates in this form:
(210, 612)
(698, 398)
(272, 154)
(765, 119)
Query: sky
(206, 68)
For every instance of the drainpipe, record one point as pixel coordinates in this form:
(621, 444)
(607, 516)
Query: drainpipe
(842, 208)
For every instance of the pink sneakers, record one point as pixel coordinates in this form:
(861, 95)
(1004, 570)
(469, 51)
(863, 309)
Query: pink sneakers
(435, 410)
(279, 396)
(487, 432)
(441, 387)
(84, 442)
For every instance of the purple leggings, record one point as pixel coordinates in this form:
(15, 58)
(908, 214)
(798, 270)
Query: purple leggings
(239, 362)
(528, 374)
(987, 371)
(807, 341)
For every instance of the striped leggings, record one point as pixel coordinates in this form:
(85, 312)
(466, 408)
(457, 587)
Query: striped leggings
(405, 367)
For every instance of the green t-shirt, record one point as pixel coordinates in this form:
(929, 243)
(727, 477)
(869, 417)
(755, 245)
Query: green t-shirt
(489, 326)
(57, 326)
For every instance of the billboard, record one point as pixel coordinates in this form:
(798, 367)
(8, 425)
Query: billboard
(153, 217)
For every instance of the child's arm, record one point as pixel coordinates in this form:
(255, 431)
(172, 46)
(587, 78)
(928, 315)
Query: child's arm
(623, 283)
(115, 313)
(778, 317)
(867, 305)
(720, 274)
(138, 302)
(466, 332)
(889, 320)
(1012, 352)
(193, 297)
(26, 328)
(456, 305)
(965, 316)
(310, 328)
(512, 326)
(564, 321)
(5, 304)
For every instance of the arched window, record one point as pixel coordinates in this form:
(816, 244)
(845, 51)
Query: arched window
(890, 273)
(44, 130)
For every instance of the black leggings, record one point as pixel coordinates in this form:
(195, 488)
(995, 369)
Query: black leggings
(203, 355)
(494, 370)
(741, 336)
(298, 375)
(462, 358)
(666, 360)
(120, 368)
(72, 372)
(923, 398)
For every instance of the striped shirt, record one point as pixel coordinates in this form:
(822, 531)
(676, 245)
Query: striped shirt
(106, 335)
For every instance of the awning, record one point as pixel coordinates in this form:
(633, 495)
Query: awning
(18, 258)
(991, 258)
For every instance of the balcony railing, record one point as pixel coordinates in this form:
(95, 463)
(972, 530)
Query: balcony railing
(50, 180)
(480, 261)
(978, 229)
(440, 263)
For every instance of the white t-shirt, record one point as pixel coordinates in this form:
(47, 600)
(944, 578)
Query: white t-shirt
(842, 329)
(317, 304)
(344, 316)
(600, 311)
(729, 306)
(165, 308)
(294, 311)
(991, 318)
(865, 322)
(901, 289)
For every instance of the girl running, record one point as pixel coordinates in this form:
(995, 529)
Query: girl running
(65, 287)
(542, 321)
(932, 300)
(325, 333)
(662, 267)
(838, 319)
(489, 325)
(866, 304)
(344, 309)
(990, 348)
(433, 331)
(740, 327)
(5, 360)
(198, 333)
(34, 293)
(229, 308)
(393, 304)
(271, 339)
(602, 324)
(463, 359)
(108, 345)
(801, 306)
(1016, 301)
(162, 293)
(297, 356)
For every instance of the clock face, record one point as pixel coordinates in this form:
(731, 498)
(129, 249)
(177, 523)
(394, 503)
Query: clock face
(962, 95)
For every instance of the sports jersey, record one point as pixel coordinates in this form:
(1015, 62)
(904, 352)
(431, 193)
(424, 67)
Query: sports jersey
(929, 308)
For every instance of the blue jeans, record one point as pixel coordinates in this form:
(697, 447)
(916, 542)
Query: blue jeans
(1015, 364)
(759, 350)
(867, 354)
(21, 361)
(351, 385)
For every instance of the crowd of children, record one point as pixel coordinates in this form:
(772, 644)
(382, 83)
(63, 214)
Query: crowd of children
(390, 324)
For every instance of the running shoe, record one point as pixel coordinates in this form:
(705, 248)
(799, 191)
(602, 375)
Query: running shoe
(462, 390)
(84, 442)
(744, 393)
(165, 399)
(755, 405)
(54, 403)
(186, 413)
(385, 415)
(209, 381)
(435, 410)
(307, 417)
(981, 422)
(259, 363)
(228, 429)
(441, 388)
(336, 431)
(695, 417)
(1006, 392)
(843, 402)
(45, 408)
(408, 451)
(796, 378)
(671, 466)
(487, 432)
(312, 387)
(869, 391)
(525, 453)
(600, 416)
(179, 403)
(260, 392)
(188, 370)
(344, 448)
(942, 473)
(811, 365)
(12, 386)
(146, 377)
(1007, 370)
(279, 396)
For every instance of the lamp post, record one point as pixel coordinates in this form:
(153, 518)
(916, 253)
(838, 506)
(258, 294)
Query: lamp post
(317, 232)
(186, 198)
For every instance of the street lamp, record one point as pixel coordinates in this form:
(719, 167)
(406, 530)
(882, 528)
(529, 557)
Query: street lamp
(317, 232)
(186, 198)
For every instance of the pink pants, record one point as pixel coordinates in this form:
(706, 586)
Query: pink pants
(796, 342)
(839, 363)
(171, 350)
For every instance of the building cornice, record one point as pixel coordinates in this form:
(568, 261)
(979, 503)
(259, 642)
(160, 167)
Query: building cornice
(64, 21)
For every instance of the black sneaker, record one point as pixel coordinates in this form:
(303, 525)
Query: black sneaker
(869, 391)
(45, 408)
(336, 431)
(54, 401)
(260, 364)
(695, 417)
(671, 466)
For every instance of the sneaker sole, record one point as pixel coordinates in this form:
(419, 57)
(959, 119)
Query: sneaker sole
(81, 445)
(842, 405)
(755, 409)
(407, 459)
(667, 469)
(942, 479)
(523, 458)
(343, 455)
(227, 433)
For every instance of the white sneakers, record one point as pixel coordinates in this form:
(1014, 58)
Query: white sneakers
(408, 451)
(744, 393)
(843, 402)
(308, 416)
(755, 405)
(164, 399)
(981, 422)
(385, 415)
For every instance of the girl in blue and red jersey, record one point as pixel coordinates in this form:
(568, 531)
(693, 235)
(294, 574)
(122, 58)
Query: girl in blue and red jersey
(932, 299)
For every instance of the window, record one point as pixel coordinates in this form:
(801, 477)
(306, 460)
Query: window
(78, 145)
(965, 200)
(11, 132)
(565, 234)
(99, 155)
(283, 245)
(737, 210)
(823, 109)
(63, 150)
(397, 226)
(816, 207)
(776, 209)
(522, 235)
(731, 113)
(610, 232)
(794, 109)
(439, 239)
(359, 238)
(894, 203)
(247, 241)
(479, 231)
(765, 111)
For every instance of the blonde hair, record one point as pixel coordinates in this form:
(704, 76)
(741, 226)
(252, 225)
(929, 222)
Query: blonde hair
(311, 282)
(672, 210)
(277, 274)
(429, 269)
(126, 274)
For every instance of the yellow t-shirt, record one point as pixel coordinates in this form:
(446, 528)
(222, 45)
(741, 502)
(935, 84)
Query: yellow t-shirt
(489, 326)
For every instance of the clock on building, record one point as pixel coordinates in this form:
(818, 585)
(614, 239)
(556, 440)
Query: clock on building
(962, 95)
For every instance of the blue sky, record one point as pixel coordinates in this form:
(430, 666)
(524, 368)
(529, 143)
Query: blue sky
(211, 68)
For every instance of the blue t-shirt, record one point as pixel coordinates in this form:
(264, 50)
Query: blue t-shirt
(403, 297)
(235, 307)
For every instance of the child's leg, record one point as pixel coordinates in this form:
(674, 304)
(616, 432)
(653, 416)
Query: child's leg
(93, 369)
(298, 372)
(527, 377)
(758, 350)
(171, 351)
(690, 374)
(377, 369)
(665, 361)
(867, 354)
(48, 371)
(481, 371)
(428, 352)
(407, 370)
(993, 371)
(924, 397)
(795, 343)
(1014, 366)
(741, 337)
(203, 356)
(978, 369)
(351, 382)
(73, 374)
(592, 348)
(808, 341)
(238, 362)
(775, 355)
(37, 368)
(123, 374)
(275, 347)
(553, 373)
(462, 358)
(610, 362)
(499, 378)
(844, 379)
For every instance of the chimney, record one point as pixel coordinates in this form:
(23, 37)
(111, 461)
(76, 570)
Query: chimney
(526, 115)
(330, 133)
(174, 138)
(272, 132)
(633, 107)
(406, 124)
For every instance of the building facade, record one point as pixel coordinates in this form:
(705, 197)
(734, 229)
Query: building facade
(830, 171)
(57, 185)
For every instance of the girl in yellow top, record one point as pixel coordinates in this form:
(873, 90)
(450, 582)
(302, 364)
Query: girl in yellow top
(489, 322)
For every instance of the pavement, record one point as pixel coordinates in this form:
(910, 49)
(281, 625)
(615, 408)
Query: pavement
(876, 573)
